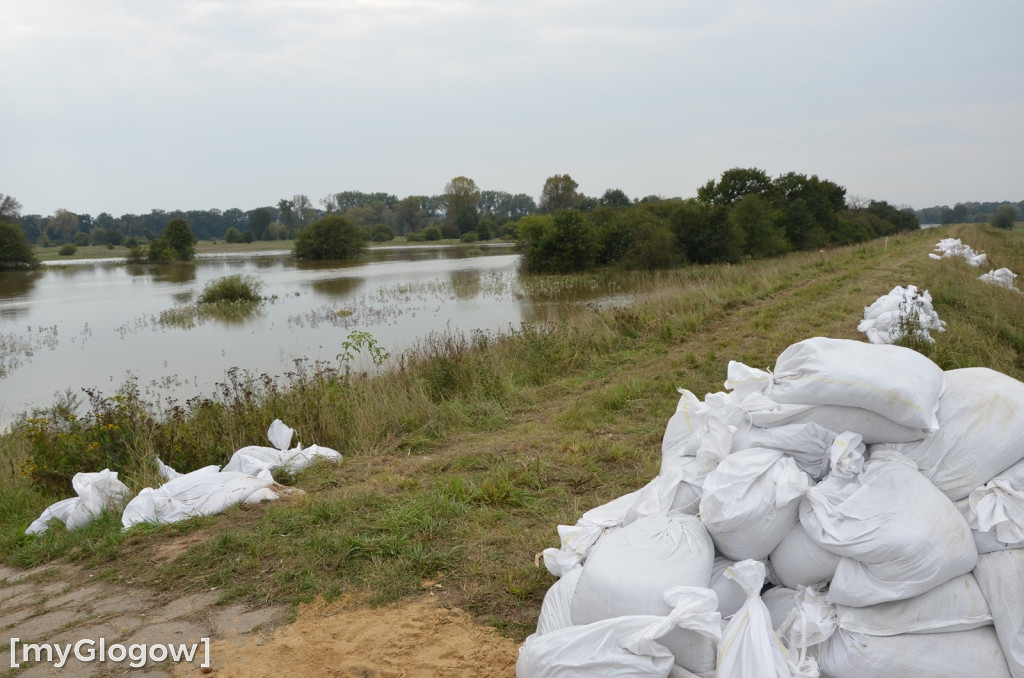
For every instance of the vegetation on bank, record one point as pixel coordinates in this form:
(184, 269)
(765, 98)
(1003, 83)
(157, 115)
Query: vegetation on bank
(460, 462)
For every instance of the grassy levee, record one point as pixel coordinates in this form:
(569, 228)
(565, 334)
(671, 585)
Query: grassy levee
(460, 463)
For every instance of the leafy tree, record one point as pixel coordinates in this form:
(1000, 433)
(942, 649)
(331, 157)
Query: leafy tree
(734, 184)
(763, 234)
(706, 233)
(1004, 217)
(463, 197)
(181, 239)
(259, 223)
(63, 225)
(382, 233)
(330, 237)
(410, 215)
(562, 243)
(432, 233)
(10, 209)
(614, 197)
(559, 193)
(15, 250)
(161, 251)
(233, 235)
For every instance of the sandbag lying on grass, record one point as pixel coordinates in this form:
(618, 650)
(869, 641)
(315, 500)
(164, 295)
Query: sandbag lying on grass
(954, 248)
(1001, 277)
(902, 313)
(981, 429)
(254, 458)
(204, 492)
(96, 493)
(896, 382)
(626, 646)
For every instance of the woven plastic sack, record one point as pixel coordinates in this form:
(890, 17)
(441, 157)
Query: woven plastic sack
(898, 535)
(981, 426)
(895, 382)
(254, 459)
(621, 647)
(1001, 578)
(800, 561)
(96, 492)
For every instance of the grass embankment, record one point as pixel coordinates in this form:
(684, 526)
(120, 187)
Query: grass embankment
(459, 465)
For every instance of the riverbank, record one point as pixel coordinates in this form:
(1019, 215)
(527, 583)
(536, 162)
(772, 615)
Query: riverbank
(460, 462)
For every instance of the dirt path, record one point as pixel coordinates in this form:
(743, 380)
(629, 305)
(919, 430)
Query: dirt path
(418, 638)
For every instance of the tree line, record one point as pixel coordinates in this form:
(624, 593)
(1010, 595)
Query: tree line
(967, 212)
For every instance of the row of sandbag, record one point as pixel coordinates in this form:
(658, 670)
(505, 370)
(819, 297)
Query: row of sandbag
(759, 475)
(954, 248)
(246, 478)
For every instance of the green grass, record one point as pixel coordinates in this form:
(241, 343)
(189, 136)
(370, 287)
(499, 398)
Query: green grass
(460, 463)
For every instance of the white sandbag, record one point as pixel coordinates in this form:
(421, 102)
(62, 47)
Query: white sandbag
(953, 248)
(898, 535)
(696, 427)
(896, 382)
(556, 610)
(204, 492)
(165, 471)
(800, 561)
(254, 459)
(1001, 578)
(628, 571)
(730, 594)
(577, 540)
(96, 492)
(981, 426)
(1001, 277)
(749, 646)
(808, 444)
(813, 625)
(677, 488)
(751, 502)
(621, 647)
(995, 511)
(871, 426)
(957, 605)
(903, 310)
(780, 601)
(935, 655)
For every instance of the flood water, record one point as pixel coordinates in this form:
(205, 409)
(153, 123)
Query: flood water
(96, 325)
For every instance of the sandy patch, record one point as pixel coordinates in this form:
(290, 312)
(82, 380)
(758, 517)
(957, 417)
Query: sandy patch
(412, 639)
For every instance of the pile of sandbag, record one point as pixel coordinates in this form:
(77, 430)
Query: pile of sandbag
(902, 313)
(952, 247)
(1000, 277)
(854, 512)
(246, 479)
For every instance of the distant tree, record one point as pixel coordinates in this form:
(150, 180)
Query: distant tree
(706, 233)
(233, 235)
(410, 215)
(960, 213)
(432, 233)
(734, 184)
(161, 251)
(259, 223)
(330, 237)
(562, 243)
(15, 250)
(63, 225)
(181, 239)
(382, 233)
(559, 193)
(10, 209)
(614, 197)
(463, 198)
(1004, 217)
(761, 223)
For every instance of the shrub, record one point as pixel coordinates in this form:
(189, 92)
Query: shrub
(1004, 216)
(67, 249)
(332, 237)
(15, 250)
(468, 236)
(432, 233)
(232, 288)
(382, 233)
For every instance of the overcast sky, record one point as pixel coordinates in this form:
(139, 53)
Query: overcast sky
(126, 106)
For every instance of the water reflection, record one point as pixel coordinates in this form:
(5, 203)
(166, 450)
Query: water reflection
(104, 322)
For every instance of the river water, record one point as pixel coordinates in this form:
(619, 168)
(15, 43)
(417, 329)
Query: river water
(97, 324)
